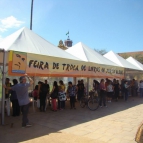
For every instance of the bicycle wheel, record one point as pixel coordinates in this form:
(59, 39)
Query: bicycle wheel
(93, 104)
(82, 102)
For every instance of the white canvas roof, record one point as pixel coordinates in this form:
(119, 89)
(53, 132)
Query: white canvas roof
(119, 60)
(135, 62)
(25, 40)
(85, 53)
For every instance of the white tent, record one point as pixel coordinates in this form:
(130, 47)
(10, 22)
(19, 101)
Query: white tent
(25, 40)
(120, 61)
(135, 62)
(85, 53)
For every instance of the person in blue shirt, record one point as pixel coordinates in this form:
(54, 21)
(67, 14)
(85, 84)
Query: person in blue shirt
(72, 93)
(21, 90)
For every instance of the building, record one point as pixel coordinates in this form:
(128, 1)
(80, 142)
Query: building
(61, 45)
(136, 55)
(67, 44)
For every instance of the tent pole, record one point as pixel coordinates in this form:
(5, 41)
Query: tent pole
(31, 15)
(3, 90)
(74, 80)
(124, 73)
(32, 90)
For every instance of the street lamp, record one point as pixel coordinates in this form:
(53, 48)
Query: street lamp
(31, 14)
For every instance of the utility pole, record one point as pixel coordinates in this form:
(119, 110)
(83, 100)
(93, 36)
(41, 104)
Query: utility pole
(31, 14)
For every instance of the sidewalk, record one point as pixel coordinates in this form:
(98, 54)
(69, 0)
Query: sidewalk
(115, 124)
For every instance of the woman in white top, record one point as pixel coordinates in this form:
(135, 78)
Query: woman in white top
(109, 91)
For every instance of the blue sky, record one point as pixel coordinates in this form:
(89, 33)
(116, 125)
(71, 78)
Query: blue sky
(115, 25)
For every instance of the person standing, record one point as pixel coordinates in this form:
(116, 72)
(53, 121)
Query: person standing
(54, 95)
(109, 91)
(122, 88)
(23, 98)
(126, 90)
(48, 87)
(7, 91)
(80, 90)
(141, 88)
(136, 87)
(133, 88)
(7, 95)
(61, 104)
(48, 95)
(72, 93)
(116, 90)
(44, 90)
(14, 100)
(35, 93)
(96, 86)
(102, 93)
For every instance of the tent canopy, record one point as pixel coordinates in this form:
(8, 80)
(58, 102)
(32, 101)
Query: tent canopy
(25, 40)
(120, 61)
(85, 53)
(25, 44)
(135, 62)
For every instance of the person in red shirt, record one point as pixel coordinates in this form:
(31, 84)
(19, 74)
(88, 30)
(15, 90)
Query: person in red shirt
(35, 92)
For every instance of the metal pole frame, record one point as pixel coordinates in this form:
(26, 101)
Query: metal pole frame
(74, 80)
(31, 14)
(3, 90)
(125, 73)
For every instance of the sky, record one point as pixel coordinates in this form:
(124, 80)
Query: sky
(115, 25)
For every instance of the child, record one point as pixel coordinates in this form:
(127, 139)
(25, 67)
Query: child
(35, 92)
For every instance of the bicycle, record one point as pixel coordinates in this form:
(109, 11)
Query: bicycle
(90, 101)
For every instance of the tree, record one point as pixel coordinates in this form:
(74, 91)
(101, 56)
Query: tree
(124, 55)
(101, 51)
(138, 57)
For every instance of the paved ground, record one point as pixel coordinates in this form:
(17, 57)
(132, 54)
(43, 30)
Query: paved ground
(115, 124)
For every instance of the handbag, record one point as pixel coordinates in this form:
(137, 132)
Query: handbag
(38, 103)
(62, 96)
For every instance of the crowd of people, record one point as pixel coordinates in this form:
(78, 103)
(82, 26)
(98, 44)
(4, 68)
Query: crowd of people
(58, 94)
(113, 90)
(107, 91)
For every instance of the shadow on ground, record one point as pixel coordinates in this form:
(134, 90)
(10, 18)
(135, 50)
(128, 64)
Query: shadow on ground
(46, 123)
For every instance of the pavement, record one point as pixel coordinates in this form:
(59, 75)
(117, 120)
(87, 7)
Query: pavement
(117, 123)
